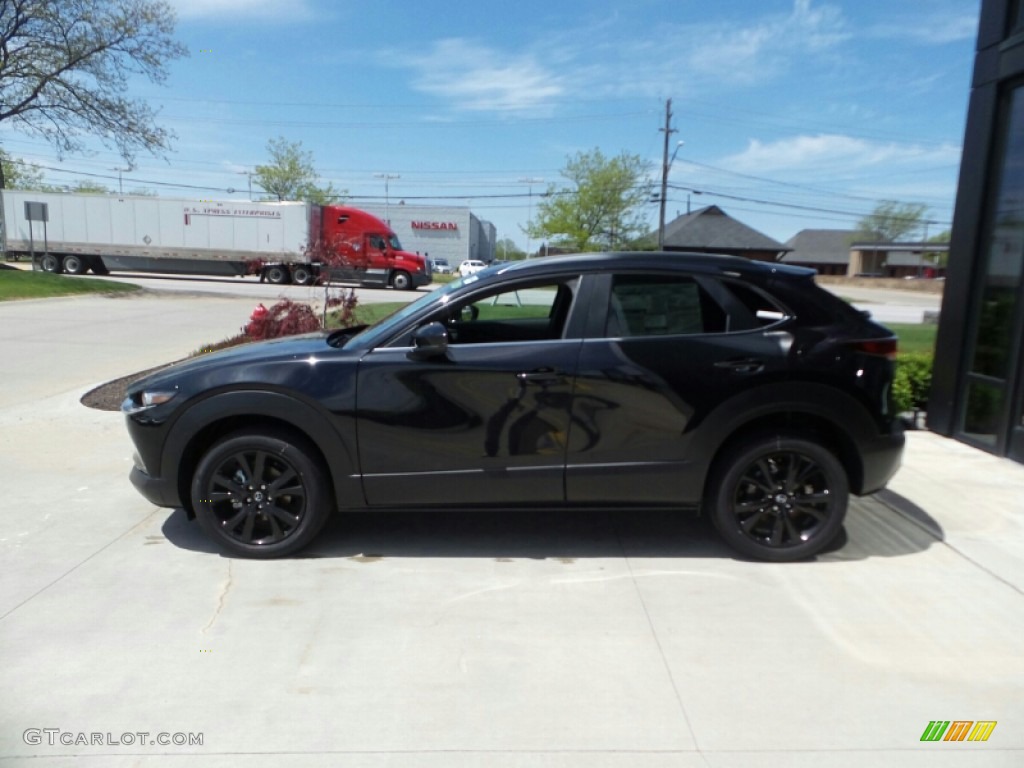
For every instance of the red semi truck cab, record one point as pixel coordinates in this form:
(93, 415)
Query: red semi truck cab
(370, 250)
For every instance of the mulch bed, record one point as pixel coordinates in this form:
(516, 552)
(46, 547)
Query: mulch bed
(108, 397)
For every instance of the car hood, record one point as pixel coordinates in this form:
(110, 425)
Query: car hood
(234, 363)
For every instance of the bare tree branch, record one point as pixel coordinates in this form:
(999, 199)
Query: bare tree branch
(65, 67)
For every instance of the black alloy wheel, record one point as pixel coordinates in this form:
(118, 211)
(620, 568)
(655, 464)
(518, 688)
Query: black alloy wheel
(260, 495)
(779, 498)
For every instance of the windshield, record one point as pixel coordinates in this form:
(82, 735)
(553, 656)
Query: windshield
(384, 329)
(395, 245)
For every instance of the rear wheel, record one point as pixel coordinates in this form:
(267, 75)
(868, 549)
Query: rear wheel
(261, 495)
(50, 263)
(401, 281)
(277, 275)
(778, 498)
(74, 265)
(302, 275)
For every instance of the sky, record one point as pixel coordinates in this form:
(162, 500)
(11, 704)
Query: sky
(793, 114)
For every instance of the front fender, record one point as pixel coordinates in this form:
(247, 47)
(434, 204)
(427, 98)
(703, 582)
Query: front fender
(186, 435)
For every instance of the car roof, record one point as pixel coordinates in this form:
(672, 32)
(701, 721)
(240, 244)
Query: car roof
(650, 260)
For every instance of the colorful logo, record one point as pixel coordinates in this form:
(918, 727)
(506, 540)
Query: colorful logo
(958, 730)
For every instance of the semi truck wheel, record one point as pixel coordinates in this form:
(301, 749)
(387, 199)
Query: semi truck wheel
(74, 265)
(50, 263)
(277, 275)
(401, 281)
(302, 276)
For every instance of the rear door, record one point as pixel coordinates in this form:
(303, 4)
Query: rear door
(663, 350)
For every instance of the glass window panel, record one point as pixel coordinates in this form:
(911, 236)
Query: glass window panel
(1004, 256)
(981, 412)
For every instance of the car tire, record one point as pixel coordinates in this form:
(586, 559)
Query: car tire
(277, 275)
(401, 281)
(302, 276)
(74, 265)
(50, 263)
(778, 498)
(261, 494)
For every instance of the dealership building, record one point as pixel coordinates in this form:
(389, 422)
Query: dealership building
(977, 391)
(446, 232)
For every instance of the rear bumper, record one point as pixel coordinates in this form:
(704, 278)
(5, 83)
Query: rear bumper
(881, 458)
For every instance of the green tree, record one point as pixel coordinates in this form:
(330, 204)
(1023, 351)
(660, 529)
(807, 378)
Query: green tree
(20, 174)
(890, 222)
(939, 259)
(65, 67)
(507, 250)
(91, 188)
(603, 206)
(290, 174)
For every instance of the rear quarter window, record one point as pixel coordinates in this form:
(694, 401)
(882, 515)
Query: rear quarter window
(762, 308)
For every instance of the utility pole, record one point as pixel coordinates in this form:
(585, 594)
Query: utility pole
(387, 198)
(668, 130)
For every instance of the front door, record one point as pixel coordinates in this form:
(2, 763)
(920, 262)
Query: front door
(485, 423)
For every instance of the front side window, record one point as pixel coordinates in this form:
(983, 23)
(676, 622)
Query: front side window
(529, 312)
(661, 305)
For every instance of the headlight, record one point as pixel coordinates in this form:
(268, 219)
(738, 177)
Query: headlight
(141, 401)
(149, 399)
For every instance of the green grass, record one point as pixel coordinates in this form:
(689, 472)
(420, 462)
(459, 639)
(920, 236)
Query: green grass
(16, 284)
(368, 314)
(915, 338)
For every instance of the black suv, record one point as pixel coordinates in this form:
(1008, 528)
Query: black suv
(611, 380)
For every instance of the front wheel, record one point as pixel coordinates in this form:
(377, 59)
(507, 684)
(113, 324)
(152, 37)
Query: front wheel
(261, 495)
(401, 281)
(778, 498)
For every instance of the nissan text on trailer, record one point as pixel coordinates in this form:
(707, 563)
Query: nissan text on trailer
(103, 233)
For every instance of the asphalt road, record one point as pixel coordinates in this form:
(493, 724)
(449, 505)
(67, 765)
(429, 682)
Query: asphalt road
(467, 639)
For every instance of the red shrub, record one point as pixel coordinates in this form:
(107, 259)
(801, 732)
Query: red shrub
(286, 318)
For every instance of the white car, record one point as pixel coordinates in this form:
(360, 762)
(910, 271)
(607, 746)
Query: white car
(470, 266)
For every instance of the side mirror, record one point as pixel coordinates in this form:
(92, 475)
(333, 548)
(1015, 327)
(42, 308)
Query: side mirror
(431, 340)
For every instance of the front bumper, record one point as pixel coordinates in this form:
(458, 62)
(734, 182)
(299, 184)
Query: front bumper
(154, 489)
(421, 278)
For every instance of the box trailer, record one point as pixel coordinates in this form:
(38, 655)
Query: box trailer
(75, 233)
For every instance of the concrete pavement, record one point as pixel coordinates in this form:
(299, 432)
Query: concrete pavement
(475, 639)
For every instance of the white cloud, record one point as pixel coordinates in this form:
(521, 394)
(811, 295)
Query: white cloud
(479, 78)
(937, 27)
(243, 10)
(765, 48)
(830, 152)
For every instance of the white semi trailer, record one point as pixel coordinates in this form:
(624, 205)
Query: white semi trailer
(76, 233)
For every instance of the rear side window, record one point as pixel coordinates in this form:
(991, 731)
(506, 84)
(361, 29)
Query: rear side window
(661, 305)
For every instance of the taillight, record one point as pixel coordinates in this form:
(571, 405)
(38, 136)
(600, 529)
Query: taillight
(878, 347)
